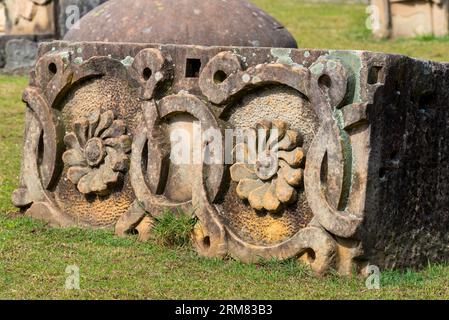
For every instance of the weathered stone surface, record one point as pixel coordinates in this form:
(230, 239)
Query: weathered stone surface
(411, 18)
(19, 42)
(20, 54)
(354, 173)
(189, 22)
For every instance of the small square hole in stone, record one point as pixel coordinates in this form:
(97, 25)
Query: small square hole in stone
(374, 75)
(193, 67)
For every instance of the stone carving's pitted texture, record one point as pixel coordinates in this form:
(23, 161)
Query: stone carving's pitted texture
(101, 149)
(268, 178)
(97, 153)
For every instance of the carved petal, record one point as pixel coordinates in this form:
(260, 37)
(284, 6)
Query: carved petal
(294, 158)
(241, 171)
(84, 185)
(256, 197)
(284, 191)
(74, 157)
(97, 184)
(241, 153)
(106, 120)
(270, 200)
(108, 176)
(245, 186)
(263, 132)
(264, 125)
(71, 141)
(116, 129)
(122, 143)
(74, 174)
(293, 176)
(290, 140)
(82, 130)
(117, 161)
(93, 123)
(281, 128)
(97, 181)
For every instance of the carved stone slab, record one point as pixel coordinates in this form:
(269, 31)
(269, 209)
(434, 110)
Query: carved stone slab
(411, 18)
(351, 168)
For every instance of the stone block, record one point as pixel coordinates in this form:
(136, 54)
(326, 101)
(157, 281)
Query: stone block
(18, 53)
(411, 18)
(335, 158)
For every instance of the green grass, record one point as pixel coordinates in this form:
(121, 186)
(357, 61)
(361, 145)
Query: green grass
(342, 26)
(173, 230)
(11, 136)
(33, 257)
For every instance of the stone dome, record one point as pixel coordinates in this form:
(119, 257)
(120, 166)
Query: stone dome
(191, 22)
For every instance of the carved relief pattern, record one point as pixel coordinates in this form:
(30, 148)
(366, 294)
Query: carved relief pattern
(269, 180)
(97, 153)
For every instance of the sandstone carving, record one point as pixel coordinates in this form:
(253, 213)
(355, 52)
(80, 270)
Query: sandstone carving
(97, 153)
(411, 18)
(334, 181)
(29, 17)
(270, 178)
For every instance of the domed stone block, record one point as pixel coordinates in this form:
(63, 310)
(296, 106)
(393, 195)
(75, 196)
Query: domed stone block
(188, 22)
(334, 158)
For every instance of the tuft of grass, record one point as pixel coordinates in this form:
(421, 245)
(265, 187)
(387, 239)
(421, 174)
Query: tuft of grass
(174, 229)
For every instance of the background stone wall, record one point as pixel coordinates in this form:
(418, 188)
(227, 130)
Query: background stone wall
(18, 51)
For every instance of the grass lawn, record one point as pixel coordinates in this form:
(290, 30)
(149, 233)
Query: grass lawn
(342, 26)
(33, 257)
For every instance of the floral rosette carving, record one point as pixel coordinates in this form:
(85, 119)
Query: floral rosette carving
(97, 153)
(269, 176)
